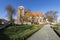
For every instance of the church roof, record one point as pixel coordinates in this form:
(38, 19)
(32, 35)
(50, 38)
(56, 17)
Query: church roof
(37, 14)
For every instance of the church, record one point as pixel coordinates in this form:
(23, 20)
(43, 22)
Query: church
(35, 17)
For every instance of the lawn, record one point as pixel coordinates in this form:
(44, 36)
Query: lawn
(18, 32)
(56, 29)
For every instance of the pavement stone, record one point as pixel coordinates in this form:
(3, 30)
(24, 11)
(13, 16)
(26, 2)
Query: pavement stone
(46, 33)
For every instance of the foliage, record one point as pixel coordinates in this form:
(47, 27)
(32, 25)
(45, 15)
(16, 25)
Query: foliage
(33, 17)
(27, 15)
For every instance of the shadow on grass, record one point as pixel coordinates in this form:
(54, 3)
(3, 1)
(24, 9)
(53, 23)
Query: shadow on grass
(3, 36)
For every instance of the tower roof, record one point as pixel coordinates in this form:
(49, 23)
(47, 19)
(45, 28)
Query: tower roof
(21, 7)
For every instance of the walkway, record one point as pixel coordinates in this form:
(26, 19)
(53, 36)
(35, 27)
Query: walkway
(3, 26)
(46, 33)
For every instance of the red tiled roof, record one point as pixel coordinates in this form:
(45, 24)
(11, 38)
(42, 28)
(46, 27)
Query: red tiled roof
(37, 14)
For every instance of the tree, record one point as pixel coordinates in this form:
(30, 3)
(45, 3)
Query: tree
(50, 19)
(51, 16)
(27, 15)
(11, 12)
(33, 17)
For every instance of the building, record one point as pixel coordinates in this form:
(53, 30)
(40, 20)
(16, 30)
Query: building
(35, 17)
(20, 14)
(38, 17)
(3, 21)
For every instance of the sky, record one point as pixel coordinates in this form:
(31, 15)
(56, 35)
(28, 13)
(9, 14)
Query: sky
(34, 5)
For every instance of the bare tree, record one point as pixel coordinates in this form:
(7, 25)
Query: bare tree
(11, 12)
(51, 16)
(50, 19)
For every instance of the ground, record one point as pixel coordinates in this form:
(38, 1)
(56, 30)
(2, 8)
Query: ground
(46, 33)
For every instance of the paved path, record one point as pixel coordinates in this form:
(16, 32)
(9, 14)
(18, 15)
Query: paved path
(46, 33)
(3, 26)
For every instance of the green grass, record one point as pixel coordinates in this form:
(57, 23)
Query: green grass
(56, 28)
(58, 31)
(18, 32)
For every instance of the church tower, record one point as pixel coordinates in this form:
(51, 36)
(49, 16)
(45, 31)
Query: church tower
(20, 14)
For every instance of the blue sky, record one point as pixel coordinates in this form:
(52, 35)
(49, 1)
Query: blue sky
(34, 5)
